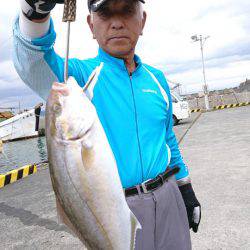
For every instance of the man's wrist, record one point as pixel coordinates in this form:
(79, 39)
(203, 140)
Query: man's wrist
(189, 195)
(36, 17)
(33, 29)
(183, 181)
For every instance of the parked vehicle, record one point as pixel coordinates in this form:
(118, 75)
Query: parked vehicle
(181, 108)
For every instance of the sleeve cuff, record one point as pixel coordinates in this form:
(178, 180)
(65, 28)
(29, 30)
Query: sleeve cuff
(183, 181)
(32, 30)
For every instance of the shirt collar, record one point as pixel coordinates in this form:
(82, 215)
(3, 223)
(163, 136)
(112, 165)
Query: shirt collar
(105, 57)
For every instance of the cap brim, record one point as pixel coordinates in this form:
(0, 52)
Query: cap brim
(95, 6)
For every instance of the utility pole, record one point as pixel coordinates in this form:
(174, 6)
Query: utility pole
(202, 40)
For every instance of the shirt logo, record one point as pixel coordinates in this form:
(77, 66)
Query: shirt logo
(150, 91)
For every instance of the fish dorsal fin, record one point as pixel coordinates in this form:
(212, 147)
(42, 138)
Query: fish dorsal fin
(90, 84)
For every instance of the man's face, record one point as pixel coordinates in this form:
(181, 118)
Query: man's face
(117, 26)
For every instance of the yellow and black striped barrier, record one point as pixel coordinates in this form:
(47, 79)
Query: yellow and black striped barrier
(223, 107)
(196, 110)
(17, 174)
(231, 105)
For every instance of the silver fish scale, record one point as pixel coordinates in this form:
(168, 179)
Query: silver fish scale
(69, 13)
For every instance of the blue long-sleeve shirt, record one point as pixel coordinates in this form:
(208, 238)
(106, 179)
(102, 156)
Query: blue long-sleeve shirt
(135, 110)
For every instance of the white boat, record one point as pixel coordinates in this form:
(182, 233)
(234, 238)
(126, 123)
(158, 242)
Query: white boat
(22, 125)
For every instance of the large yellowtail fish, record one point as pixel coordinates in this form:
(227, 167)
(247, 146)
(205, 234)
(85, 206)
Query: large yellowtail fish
(90, 198)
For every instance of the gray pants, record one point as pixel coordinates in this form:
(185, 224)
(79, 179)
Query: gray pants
(163, 218)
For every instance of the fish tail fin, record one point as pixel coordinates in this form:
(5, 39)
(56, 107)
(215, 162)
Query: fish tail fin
(135, 224)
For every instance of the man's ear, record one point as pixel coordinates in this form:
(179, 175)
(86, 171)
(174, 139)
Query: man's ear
(144, 18)
(90, 23)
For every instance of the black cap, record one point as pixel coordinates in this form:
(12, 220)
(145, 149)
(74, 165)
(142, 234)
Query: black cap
(94, 5)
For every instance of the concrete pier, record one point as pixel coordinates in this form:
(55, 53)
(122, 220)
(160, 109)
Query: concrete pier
(217, 150)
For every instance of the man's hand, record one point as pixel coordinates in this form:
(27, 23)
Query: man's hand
(192, 205)
(38, 9)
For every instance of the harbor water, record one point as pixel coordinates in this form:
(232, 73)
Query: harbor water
(19, 153)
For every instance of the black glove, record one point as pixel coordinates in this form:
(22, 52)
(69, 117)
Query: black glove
(38, 9)
(192, 205)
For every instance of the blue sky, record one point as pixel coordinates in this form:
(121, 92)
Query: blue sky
(165, 44)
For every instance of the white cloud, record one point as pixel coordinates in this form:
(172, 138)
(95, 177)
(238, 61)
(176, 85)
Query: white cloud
(12, 89)
(217, 77)
(9, 77)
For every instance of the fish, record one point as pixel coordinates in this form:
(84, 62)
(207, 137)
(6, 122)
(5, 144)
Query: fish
(89, 195)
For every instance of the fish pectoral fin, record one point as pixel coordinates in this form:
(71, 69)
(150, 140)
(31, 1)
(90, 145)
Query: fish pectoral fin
(135, 225)
(88, 156)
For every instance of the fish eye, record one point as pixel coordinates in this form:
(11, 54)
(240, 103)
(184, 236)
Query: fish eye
(57, 108)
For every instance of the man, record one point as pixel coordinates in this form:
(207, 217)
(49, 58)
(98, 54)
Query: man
(133, 103)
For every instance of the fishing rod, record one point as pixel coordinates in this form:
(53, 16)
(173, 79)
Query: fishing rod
(69, 15)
